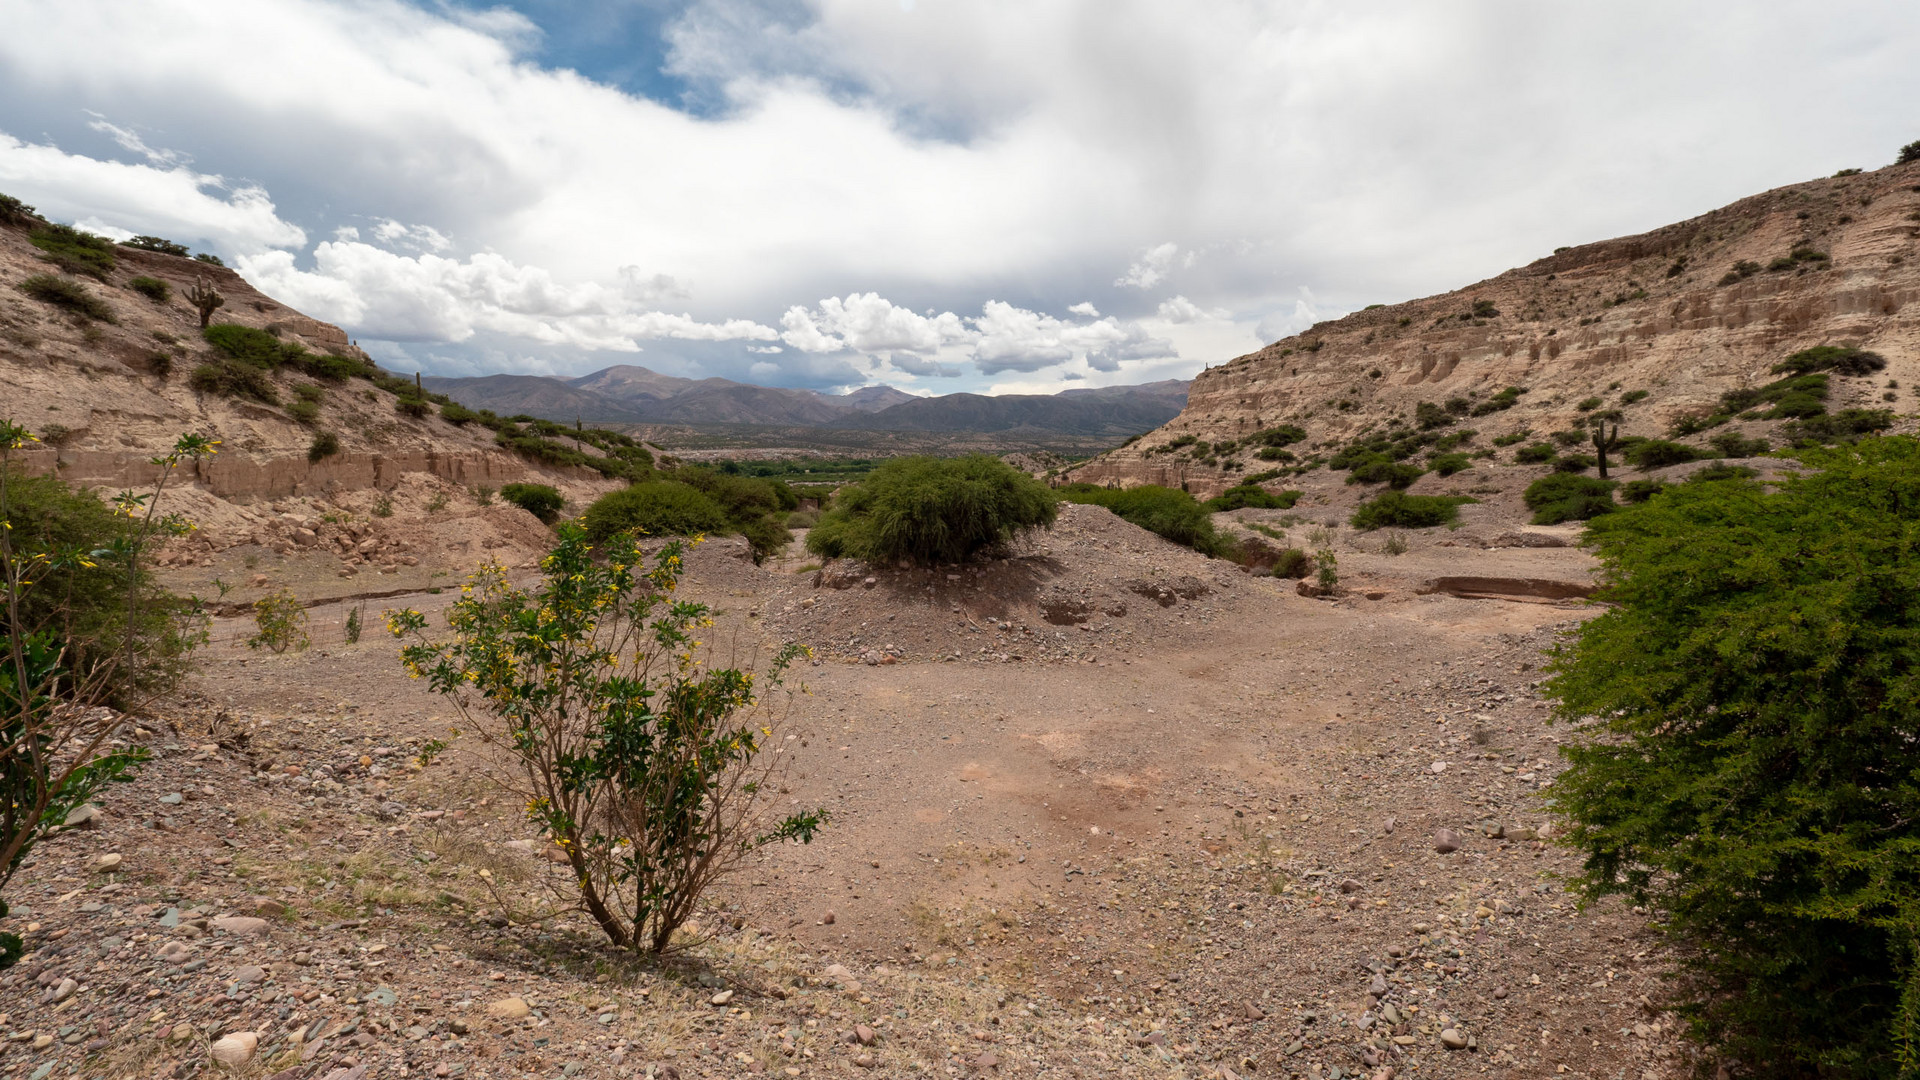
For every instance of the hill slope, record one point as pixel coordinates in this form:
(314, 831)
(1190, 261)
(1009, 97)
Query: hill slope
(1657, 326)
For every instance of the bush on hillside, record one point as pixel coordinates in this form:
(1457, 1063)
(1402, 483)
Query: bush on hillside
(70, 295)
(249, 345)
(1292, 563)
(152, 288)
(15, 212)
(231, 378)
(756, 507)
(1167, 512)
(1742, 753)
(1734, 444)
(1639, 491)
(541, 500)
(156, 243)
(654, 508)
(1565, 496)
(1841, 427)
(928, 511)
(1252, 495)
(1395, 474)
(325, 444)
(1448, 464)
(1841, 360)
(1397, 510)
(74, 251)
(1659, 453)
(1535, 453)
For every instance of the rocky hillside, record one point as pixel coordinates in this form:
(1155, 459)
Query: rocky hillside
(102, 355)
(1657, 327)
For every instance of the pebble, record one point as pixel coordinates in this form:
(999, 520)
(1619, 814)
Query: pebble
(1453, 1039)
(1445, 840)
(236, 1050)
(106, 863)
(173, 798)
(174, 952)
(1499, 993)
(863, 1035)
(512, 1008)
(243, 925)
(65, 990)
(827, 919)
(1378, 987)
(251, 973)
(84, 815)
(721, 998)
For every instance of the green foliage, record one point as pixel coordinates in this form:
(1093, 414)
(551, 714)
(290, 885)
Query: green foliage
(1396, 510)
(1535, 453)
(1448, 464)
(455, 413)
(1428, 416)
(152, 288)
(1639, 491)
(209, 258)
(654, 508)
(1570, 437)
(15, 212)
(1252, 495)
(70, 295)
(1909, 154)
(1573, 463)
(756, 508)
(927, 511)
(353, 626)
(1734, 444)
(1659, 453)
(155, 243)
(1741, 270)
(1844, 426)
(1167, 512)
(1379, 470)
(1326, 570)
(327, 366)
(325, 444)
(1744, 758)
(1721, 472)
(74, 251)
(416, 407)
(541, 500)
(247, 345)
(1794, 396)
(1500, 402)
(1282, 435)
(1515, 437)
(280, 622)
(1632, 396)
(1589, 404)
(1837, 359)
(639, 759)
(1292, 563)
(231, 378)
(1564, 496)
(306, 412)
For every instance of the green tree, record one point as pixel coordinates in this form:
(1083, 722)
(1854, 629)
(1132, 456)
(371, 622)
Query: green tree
(1746, 761)
(932, 510)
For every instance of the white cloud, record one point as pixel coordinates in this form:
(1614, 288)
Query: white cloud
(923, 367)
(1151, 267)
(416, 237)
(865, 322)
(1015, 339)
(1179, 309)
(1085, 308)
(426, 297)
(170, 201)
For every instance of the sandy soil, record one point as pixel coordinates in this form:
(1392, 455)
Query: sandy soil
(1195, 838)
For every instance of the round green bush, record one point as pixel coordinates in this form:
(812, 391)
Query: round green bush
(932, 510)
(1397, 510)
(1252, 495)
(655, 508)
(1565, 496)
(1167, 512)
(541, 500)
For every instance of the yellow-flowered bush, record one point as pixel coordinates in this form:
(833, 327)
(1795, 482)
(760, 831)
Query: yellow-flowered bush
(640, 761)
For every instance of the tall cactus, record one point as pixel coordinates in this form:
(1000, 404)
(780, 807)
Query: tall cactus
(204, 299)
(1603, 442)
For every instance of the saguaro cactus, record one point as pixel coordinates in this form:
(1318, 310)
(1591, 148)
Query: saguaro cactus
(204, 299)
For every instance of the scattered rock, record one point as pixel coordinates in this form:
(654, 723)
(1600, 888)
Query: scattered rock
(721, 998)
(512, 1008)
(84, 816)
(1453, 1038)
(235, 1051)
(106, 864)
(241, 925)
(827, 919)
(1445, 840)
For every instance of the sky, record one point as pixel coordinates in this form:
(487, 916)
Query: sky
(990, 196)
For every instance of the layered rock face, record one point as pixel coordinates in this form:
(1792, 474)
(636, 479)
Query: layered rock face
(1683, 313)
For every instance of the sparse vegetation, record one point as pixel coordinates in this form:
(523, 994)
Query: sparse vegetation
(1252, 495)
(152, 288)
(1659, 453)
(928, 511)
(1734, 444)
(1632, 396)
(1838, 359)
(325, 444)
(280, 622)
(155, 243)
(16, 213)
(74, 251)
(653, 508)
(1742, 709)
(1500, 402)
(1394, 509)
(1841, 427)
(1448, 464)
(71, 295)
(1565, 496)
(231, 378)
(1741, 271)
(1291, 563)
(1535, 453)
(541, 500)
(638, 760)
(205, 300)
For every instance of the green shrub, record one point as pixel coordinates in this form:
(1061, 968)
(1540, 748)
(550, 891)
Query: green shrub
(1428, 416)
(1448, 464)
(1167, 512)
(1515, 437)
(1535, 453)
(326, 366)
(631, 749)
(1252, 495)
(1659, 453)
(455, 413)
(756, 507)
(1841, 427)
(15, 212)
(1721, 472)
(152, 288)
(70, 295)
(1589, 404)
(1561, 496)
(74, 251)
(1292, 563)
(1397, 510)
(541, 500)
(231, 378)
(249, 346)
(1734, 444)
(1570, 437)
(1639, 491)
(1744, 711)
(1274, 453)
(209, 258)
(155, 243)
(1909, 154)
(324, 445)
(1573, 463)
(803, 519)
(280, 623)
(1394, 474)
(1834, 358)
(655, 508)
(927, 511)
(1282, 435)
(1741, 270)
(305, 412)
(1632, 396)
(1500, 402)
(417, 408)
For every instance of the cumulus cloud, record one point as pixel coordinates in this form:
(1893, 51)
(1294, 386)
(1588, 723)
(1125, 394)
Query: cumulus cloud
(910, 364)
(865, 322)
(388, 295)
(1151, 267)
(1179, 309)
(1015, 339)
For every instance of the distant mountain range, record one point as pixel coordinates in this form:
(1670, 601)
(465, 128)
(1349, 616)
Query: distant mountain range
(637, 395)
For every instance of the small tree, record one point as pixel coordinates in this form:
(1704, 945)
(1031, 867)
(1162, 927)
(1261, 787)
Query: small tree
(932, 510)
(1745, 759)
(641, 762)
(204, 299)
(1909, 153)
(81, 626)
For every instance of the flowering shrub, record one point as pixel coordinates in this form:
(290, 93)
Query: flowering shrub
(643, 763)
